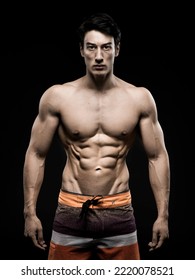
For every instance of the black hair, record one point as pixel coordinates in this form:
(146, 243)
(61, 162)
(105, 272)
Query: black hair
(101, 22)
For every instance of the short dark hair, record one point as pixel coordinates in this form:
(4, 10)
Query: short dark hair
(101, 22)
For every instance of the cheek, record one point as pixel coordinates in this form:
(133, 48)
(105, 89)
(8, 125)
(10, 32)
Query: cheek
(110, 56)
(89, 58)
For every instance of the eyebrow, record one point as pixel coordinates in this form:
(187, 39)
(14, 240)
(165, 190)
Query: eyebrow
(108, 43)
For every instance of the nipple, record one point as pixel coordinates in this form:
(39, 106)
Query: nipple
(124, 132)
(75, 132)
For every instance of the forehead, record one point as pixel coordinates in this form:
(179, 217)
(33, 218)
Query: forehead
(98, 38)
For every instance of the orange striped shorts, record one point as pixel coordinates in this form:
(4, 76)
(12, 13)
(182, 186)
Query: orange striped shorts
(94, 227)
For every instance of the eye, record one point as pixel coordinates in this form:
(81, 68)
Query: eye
(91, 47)
(107, 47)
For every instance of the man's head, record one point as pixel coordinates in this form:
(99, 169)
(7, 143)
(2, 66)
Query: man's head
(99, 37)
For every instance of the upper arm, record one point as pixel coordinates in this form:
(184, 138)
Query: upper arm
(45, 124)
(150, 129)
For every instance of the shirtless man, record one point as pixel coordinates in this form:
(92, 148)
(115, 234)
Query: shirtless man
(97, 117)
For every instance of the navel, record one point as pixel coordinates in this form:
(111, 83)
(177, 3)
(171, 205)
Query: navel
(98, 168)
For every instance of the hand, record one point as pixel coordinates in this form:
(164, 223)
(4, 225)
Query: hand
(33, 229)
(160, 233)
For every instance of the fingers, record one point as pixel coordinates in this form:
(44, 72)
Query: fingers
(155, 244)
(39, 242)
(37, 239)
(157, 241)
(152, 246)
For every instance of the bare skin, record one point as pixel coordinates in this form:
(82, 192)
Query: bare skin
(96, 118)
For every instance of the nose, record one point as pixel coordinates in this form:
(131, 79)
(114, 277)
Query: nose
(99, 56)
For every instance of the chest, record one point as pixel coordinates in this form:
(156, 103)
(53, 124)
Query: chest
(115, 117)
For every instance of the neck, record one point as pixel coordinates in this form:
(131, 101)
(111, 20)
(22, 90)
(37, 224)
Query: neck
(100, 82)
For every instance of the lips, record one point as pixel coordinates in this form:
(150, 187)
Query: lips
(99, 67)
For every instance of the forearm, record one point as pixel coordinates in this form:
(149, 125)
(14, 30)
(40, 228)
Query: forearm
(159, 175)
(33, 174)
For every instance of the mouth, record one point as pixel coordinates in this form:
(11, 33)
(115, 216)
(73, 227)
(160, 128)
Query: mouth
(99, 67)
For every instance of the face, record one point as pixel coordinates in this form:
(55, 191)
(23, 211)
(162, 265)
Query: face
(99, 52)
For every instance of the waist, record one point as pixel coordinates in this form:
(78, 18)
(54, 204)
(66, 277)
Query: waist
(106, 201)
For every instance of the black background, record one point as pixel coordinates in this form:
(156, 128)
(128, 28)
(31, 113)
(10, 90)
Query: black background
(39, 48)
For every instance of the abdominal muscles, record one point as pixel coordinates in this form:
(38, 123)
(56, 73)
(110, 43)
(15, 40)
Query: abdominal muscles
(96, 168)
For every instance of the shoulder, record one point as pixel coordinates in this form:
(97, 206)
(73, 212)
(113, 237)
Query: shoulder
(57, 92)
(145, 101)
(52, 99)
(141, 97)
(138, 93)
(143, 94)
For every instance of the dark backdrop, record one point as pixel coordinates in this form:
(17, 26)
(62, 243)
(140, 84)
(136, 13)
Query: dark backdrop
(29, 66)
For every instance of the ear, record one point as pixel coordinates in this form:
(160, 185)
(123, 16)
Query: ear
(81, 51)
(117, 50)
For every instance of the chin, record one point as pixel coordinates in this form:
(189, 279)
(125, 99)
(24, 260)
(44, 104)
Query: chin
(100, 73)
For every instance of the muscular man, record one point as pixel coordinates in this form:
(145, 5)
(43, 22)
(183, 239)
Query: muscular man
(96, 117)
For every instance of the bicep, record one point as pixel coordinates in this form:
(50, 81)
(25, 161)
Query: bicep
(150, 129)
(152, 136)
(42, 133)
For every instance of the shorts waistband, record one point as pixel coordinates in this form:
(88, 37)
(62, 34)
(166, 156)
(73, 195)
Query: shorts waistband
(108, 201)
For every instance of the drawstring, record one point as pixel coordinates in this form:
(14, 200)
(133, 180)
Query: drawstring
(88, 203)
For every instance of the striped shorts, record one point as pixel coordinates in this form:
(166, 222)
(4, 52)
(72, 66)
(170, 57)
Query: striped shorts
(100, 227)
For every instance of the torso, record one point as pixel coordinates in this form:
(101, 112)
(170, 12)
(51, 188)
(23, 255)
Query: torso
(97, 134)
